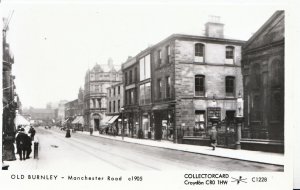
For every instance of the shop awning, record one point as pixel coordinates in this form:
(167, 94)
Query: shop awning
(65, 121)
(113, 119)
(20, 120)
(78, 120)
(105, 120)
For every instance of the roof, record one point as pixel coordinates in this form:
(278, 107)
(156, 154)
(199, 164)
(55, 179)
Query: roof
(263, 28)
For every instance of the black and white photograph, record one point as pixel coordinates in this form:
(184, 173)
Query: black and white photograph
(124, 94)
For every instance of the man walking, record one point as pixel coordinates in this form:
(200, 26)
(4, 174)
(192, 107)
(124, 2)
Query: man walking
(213, 137)
(22, 144)
(32, 133)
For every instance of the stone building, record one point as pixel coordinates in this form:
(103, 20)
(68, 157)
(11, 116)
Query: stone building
(131, 99)
(182, 81)
(114, 105)
(97, 80)
(10, 99)
(263, 72)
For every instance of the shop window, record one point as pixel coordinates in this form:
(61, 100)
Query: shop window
(199, 85)
(199, 52)
(199, 122)
(229, 85)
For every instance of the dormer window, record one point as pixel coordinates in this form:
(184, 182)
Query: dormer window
(199, 53)
(229, 55)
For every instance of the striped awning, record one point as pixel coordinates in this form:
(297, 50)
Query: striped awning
(113, 119)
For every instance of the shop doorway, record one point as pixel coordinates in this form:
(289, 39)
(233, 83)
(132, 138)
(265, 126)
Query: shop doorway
(227, 131)
(97, 124)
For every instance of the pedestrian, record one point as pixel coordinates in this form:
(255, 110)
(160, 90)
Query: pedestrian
(22, 144)
(32, 133)
(68, 134)
(213, 137)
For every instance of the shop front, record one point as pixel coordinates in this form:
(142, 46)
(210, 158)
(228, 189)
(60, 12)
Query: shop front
(163, 123)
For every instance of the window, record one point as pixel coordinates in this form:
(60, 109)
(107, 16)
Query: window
(130, 76)
(97, 88)
(145, 93)
(109, 106)
(114, 91)
(229, 86)
(159, 86)
(158, 58)
(168, 87)
(145, 68)
(199, 85)
(199, 52)
(118, 105)
(126, 79)
(168, 50)
(135, 74)
(119, 90)
(132, 97)
(229, 52)
(114, 108)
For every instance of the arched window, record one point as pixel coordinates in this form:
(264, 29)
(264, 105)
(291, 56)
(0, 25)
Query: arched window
(199, 85)
(199, 52)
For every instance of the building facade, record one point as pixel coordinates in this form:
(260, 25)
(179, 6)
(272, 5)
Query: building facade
(131, 78)
(114, 105)
(10, 99)
(263, 72)
(97, 80)
(181, 82)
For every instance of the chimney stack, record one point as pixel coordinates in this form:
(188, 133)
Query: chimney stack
(214, 28)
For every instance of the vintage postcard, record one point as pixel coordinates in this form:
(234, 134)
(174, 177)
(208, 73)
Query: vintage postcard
(163, 95)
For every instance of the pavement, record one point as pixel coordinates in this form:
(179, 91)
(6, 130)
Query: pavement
(244, 155)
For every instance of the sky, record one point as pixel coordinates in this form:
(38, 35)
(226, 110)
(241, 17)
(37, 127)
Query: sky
(55, 44)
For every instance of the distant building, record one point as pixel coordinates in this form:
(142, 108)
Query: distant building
(44, 114)
(61, 110)
(97, 80)
(263, 72)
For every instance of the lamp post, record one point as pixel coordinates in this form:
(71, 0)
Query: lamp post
(239, 119)
(122, 111)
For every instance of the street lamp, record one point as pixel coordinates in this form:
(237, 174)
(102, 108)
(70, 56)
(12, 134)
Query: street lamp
(122, 111)
(239, 118)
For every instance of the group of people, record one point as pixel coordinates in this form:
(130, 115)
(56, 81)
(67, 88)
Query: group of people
(23, 142)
